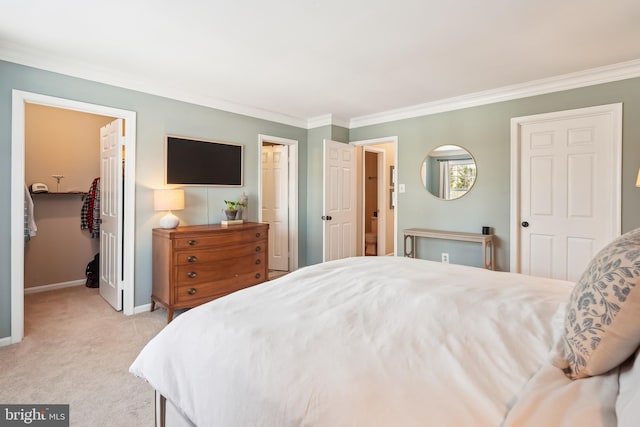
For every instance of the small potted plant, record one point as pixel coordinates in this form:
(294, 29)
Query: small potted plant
(232, 208)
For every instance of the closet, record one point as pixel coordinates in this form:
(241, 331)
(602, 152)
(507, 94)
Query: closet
(62, 151)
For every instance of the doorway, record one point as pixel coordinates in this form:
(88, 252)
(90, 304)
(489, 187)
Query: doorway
(19, 100)
(382, 154)
(278, 200)
(66, 187)
(373, 195)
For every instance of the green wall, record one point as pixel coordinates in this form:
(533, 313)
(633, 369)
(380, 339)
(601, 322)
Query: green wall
(485, 132)
(156, 116)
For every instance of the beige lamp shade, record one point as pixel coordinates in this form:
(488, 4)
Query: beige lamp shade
(168, 200)
(638, 179)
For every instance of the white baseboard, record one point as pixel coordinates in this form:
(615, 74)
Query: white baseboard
(5, 341)
(53, 286)
(142, 308)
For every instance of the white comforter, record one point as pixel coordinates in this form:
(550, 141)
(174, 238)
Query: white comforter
(375, 341)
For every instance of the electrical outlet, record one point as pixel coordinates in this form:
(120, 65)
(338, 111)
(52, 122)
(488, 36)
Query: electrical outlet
(445, 257)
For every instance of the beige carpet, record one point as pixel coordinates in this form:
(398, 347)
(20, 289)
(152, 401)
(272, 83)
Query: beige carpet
(77, 351)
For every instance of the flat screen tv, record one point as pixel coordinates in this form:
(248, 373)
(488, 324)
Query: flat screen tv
(201, 162)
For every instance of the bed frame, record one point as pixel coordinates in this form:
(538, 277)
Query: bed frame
(168, 415)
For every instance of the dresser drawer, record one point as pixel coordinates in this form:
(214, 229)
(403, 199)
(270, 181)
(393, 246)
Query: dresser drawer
(197, 257)
(220, 270)
(219, 239)
(209, 290)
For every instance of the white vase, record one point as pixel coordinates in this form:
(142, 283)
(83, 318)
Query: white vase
(169, 221)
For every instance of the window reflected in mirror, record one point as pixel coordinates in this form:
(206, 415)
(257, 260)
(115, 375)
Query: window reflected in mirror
(448, 172)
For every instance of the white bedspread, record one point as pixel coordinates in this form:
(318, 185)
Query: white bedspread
(375, 341)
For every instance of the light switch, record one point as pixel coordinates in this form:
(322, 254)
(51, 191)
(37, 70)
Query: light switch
(401, 188)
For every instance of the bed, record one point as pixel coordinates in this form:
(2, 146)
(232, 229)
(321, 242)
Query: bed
(393, 341)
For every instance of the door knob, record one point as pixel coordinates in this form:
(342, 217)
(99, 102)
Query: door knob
(326, 218)
(525, 224)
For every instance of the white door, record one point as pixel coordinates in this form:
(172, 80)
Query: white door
(111, 146)
(339, 202)
(275, 203)
(569, 191)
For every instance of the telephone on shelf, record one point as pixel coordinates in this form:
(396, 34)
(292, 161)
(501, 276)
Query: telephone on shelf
(38, 187)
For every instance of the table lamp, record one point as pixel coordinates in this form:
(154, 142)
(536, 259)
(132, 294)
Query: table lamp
(168, 200)
(638, 179)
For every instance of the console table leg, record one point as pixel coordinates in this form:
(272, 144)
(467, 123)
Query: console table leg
(488, 260)
(412, 252)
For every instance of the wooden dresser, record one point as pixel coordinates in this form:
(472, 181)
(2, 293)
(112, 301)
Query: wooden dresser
(195, 264)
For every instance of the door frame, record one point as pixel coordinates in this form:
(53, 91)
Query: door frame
(293, 192)
(615, 111)
(376, 141)
(19, 99)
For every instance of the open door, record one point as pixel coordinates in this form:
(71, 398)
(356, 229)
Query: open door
(111, 177)
(275, 203)
(339, 201)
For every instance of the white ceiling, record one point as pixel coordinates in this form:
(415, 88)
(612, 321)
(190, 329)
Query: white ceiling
(298, 60)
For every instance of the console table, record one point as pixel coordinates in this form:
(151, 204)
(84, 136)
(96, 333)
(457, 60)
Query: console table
(486, 240)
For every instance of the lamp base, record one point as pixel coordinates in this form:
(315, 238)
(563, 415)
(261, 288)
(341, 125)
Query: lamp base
(169, 221)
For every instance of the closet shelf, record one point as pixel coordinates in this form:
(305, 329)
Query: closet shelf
(83, 194)
(62, 192)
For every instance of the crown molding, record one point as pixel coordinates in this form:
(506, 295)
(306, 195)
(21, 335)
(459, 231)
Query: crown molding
(319, 121)
(48, 62)
(339, 121)
(605, 74)
(327, 120)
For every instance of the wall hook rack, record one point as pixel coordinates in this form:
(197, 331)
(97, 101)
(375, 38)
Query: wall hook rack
(58, 178)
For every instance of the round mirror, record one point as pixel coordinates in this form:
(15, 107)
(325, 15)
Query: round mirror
(448, 172)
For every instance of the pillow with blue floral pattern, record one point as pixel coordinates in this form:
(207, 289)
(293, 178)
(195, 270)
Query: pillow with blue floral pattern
(602, 321)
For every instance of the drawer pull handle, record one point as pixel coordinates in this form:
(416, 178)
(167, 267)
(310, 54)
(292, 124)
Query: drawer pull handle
(258, 261)
(257, 234)
(257, 275)
(192, 291)
(258, 249)
(193, 242)
(192, 258)
(192, 274)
